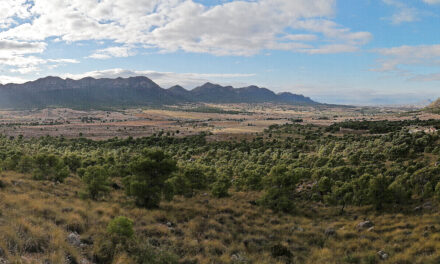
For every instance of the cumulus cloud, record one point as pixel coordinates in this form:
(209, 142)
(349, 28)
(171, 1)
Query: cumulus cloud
(234, 28)
(164, 79)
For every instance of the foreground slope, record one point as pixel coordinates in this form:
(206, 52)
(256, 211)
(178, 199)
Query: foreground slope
(129, 92)
(39, 222)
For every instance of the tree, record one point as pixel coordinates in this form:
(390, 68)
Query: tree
(437, 191)
(221, 186)
(25, 164)
(148, 180)
(342, 194)
(324, 185)
(280, 185)
(378, 191)
(96, 180)
(50, 167)
(73, 162)
(189, 180)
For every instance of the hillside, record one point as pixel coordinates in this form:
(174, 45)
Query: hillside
(124, 201)
(127, 92)
(434, 107)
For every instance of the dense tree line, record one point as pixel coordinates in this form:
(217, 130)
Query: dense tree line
(378, 170)
(382, 126)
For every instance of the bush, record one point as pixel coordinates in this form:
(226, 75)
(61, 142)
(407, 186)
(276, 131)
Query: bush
(188, 181)
(96, 180)
(121, 227)
(148, 183)
(50, 167)
(144, 253)
(280, 184)
(220, 187)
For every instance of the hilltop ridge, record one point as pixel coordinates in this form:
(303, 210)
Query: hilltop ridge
(133, 91)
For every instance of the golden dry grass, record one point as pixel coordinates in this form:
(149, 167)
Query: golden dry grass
(37, 216)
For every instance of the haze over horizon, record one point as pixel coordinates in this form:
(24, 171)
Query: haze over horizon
(335, 51)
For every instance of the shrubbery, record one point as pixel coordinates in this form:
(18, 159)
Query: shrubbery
(148, 183)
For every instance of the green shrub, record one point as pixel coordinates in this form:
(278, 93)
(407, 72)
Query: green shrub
(121, 227)
(148, 183)
(96, 180)
(50, 167)
(279, 184)
(221, 186)
(188, 181)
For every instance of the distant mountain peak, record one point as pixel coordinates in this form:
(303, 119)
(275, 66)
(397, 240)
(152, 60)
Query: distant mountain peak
(133, 91)
(177, 87)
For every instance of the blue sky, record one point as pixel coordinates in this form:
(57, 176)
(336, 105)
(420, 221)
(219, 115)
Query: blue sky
(335, 51)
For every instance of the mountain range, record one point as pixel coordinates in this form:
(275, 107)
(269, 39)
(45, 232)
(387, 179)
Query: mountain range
(128, 92)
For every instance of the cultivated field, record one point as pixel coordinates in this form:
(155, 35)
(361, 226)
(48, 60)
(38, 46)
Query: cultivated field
(220, 120)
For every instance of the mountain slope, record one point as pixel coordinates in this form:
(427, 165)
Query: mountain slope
(127, 92)
(434, 107)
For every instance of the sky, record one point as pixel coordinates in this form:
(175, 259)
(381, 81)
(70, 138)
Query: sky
(365, 52)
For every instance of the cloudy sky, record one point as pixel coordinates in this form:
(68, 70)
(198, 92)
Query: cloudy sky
(336, 51)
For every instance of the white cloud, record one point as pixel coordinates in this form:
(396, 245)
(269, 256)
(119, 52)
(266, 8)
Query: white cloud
(4, 79)
(11, 10)
(164, 79)
(234, 28)
(396, 57)
(404, 12)
(112, 52)
(432, 2)
(426, 77)
(406, 61)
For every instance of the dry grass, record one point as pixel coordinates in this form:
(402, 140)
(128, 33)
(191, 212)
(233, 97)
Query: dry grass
(36, 218)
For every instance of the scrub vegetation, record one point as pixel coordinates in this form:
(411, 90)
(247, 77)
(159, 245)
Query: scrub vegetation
(296, 193)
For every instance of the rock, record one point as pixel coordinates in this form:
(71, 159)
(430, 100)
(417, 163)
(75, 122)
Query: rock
(382, 255)
(169, 224)
(3, 261)
(418, 209)
(74, 239)
(238, 258)
(371, 229)
(365, 224)
(85, 261)
(330, 232)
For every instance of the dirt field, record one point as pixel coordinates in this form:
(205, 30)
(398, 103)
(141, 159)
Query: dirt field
(232, 119)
